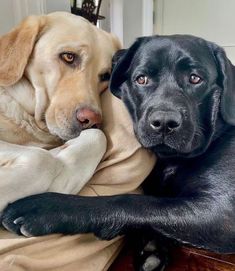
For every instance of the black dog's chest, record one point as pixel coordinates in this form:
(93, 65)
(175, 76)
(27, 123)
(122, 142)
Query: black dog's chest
(186, 177)
(163, 180)
(172, 179)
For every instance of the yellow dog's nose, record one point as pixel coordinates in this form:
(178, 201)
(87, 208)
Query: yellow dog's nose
(88, 118)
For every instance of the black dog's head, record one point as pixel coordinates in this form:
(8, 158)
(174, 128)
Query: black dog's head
(179, 90)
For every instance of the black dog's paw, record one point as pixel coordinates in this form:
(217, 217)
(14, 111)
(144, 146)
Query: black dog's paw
(152, 263)
(30, 216)
(59, 213)
(23, 225)
(151, 258)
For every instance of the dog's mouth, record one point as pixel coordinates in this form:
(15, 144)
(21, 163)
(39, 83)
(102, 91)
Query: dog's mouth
(160, 146)
(95, 126)
(68, 125)
(70, 132)
(178, 144)
(168, 141)
(163, 150)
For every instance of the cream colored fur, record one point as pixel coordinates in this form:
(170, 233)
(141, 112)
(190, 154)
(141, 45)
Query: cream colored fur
(39, 96)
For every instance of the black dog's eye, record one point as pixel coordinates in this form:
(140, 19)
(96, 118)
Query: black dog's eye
(68, 57)
(142, 80)
(195, 79)
(104, 77)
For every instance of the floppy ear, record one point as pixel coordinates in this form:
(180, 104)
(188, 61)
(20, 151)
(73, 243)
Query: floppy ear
(16, 48)
(227, 82)
(117, 56)
(121, 63)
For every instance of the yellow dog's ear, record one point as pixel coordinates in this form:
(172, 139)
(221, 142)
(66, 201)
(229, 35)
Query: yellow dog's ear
(16, 48)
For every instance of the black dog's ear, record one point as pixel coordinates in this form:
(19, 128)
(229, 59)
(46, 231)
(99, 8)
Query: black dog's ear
(121, 63)
(117, 56)
(227, 82)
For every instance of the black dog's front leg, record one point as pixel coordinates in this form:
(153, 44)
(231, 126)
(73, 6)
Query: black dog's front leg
(196, 221)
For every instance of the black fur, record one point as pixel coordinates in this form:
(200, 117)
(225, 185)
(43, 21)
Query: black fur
(189, 126)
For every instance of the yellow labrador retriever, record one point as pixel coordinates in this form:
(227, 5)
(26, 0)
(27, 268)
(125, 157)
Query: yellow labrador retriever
(52, 71)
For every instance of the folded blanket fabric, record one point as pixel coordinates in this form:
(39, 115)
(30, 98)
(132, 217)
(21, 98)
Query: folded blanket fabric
(124, 166)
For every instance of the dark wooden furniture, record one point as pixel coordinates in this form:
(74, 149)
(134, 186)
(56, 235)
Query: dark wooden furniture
(182, 259)
(88, 10)
(188, 259)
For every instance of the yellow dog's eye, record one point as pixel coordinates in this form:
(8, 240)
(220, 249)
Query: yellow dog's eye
(68, 57)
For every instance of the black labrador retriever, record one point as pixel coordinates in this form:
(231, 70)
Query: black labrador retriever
(180, 93)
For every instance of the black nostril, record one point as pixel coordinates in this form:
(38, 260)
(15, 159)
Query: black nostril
(86, 121)
(156, 124)
(172, 124)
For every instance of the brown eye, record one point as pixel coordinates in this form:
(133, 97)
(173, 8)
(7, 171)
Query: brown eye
(195, 79)
(68, 57)
(142, 80)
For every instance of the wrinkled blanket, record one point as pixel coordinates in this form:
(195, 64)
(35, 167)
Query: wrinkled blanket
(122, 169)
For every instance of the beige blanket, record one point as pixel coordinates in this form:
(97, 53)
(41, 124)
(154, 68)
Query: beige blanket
(123, 168)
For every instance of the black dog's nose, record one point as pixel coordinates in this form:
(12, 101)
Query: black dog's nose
(165, 121)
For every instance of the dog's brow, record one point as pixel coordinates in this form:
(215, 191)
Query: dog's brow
(73, 45)
(189, 63)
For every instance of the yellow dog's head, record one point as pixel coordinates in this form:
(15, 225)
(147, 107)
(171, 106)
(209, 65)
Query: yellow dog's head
(67, 60)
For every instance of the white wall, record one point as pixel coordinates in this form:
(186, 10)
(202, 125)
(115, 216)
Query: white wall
(7, 18)
(57, 5)
(13, 11)
(132, 21)
(123, 17)
(211, 19)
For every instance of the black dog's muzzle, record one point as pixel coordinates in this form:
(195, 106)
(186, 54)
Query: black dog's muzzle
(165, 122)
(166, 128)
